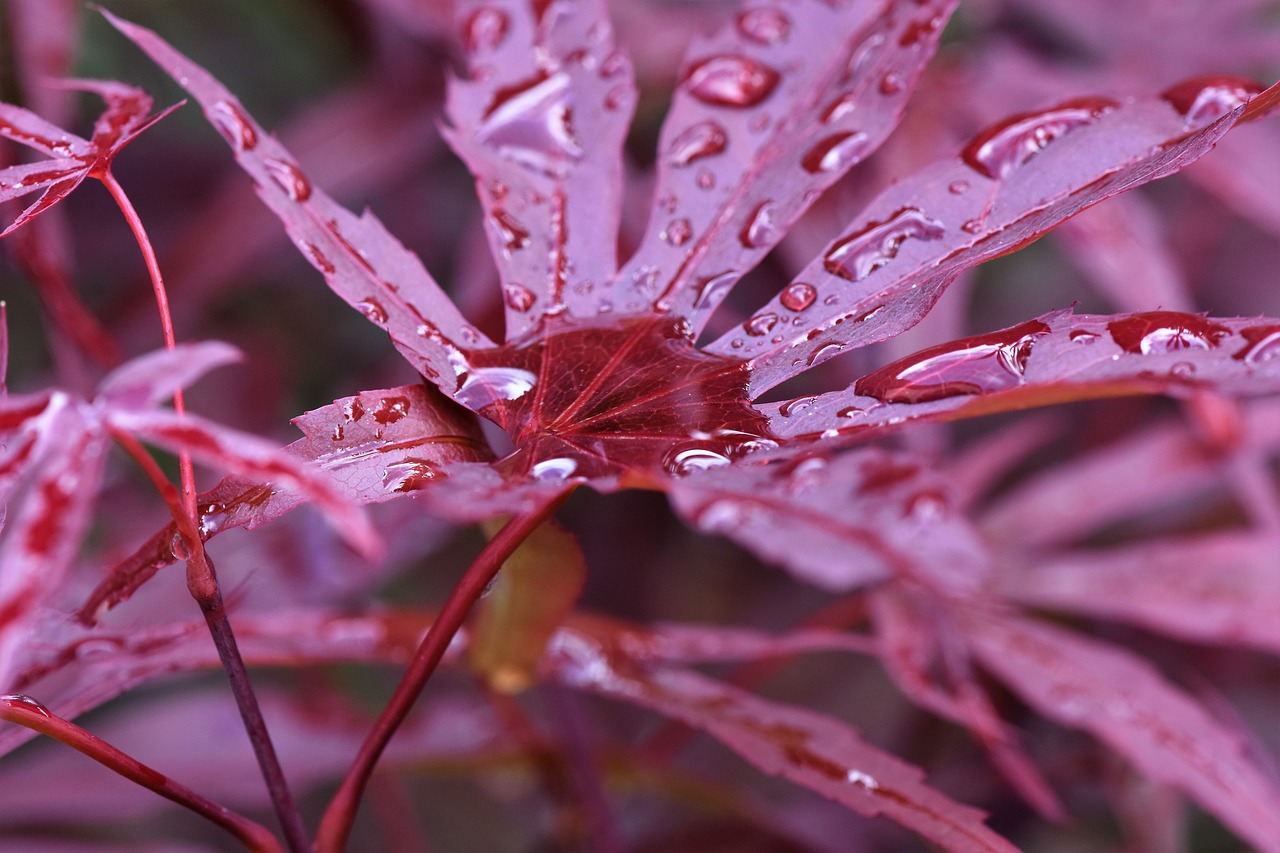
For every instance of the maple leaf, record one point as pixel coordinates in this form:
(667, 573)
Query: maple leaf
(600, 379)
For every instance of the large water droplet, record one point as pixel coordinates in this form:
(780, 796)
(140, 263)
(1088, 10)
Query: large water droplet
(410, 475)
(713, 450)
(704, 139)
(485, 29)
(1165, 331)
(731, 81)
(27, 702)
(531, 123)
(234, 125)
(712, 289)
(487, 385)
(978, 365)
(179, 548)
(1263, 344)
(1206, 99)
(391, 409)
(761, 229)
(518, 297)
(761, 324)
(1005, 146)
(857, 255)
(835, 153)
(288, 177)
(212, 517)
(798, 296)
(677, 232)
(373, 310)
(559, 468)
(764, 25)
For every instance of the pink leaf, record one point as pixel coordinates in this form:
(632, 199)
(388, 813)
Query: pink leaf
(540, 122)
(1125, 703)
(862, 517)
(819, 752)
(1016, 180)
(152, 379)
(768, 113)
(359, 259)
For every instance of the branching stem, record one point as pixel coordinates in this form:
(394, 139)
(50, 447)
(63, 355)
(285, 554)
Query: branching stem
(339, 816)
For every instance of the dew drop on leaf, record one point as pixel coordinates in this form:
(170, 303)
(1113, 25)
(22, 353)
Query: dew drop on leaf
(760, 230)
(1083, 336)
(958, 187)
(823, 353)
(798, 296)
(234, 126)
(512, 232)
(713, 288)
(891, 83)
(179, 548)
(835, 153)
(558, 468)
(764, 25)
(485, 29)
(531, 123)
(704, 139)
(977, 365)
(761, 324)
(485, 386)
(288, 177)
(677, 232)
(1263, 344)
(409, 475)
(518, 297)
(1204, 99)
(731, 81)
(971, 226)
(373, 310)
(1003, 147)
(27, 702)
(705, 179)
(391, 409)
(857, 255)
(1165, 331)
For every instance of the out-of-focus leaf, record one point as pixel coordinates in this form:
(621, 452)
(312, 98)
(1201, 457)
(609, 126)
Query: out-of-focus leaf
(533, 594)
(1122, 700)
(810, 749)
(153, 378)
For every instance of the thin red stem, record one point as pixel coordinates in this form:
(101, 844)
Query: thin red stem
(27, 712)
(335, 826)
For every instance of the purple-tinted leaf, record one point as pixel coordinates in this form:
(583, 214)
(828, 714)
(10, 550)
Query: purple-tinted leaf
(1132, 478)
(841, 524)
(1015, 181)
(51, 468)
(810, 749)
(153, 378)
(540, 121)
(1218, 589)
(1122, 700)
(1055, 358)
(359, 259)
(768, 113)
(251, 457)
(73, 158)
(372, 447)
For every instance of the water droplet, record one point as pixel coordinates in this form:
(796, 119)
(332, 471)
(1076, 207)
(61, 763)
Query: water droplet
(823, 353)
(798, 296)
(179, 549)
(760, 230)
(554, 469)
(794, 407)
(841, 107)
(1165, 331)
(1263, 344)
(677, 232)
(891, 83)
(531, 123)
(373, 310)
(28, 702)
(617, 96)
(98, 647)
(862, 780)
(706, 179)
(339, 433)
(1205, 99)
(712, 289)
(971, 226)
(318, 258)
(978, 365)
(713, 450)
(234, 125)
(917, 31)
(764, 25)
(485, 386)
(1083, 336)
(958, 187)
(485, 29)
(513, 234)
(409, 475)
(353, 410)
(518, 297)
(683, 460)
(731, 81)
(856, 256)
(391, 409)
(835, 153)
(1183, 370)
(288, 177)
(850, 412)
(761, 324)
(704, 139)
(1003, 147)
(212, 517)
